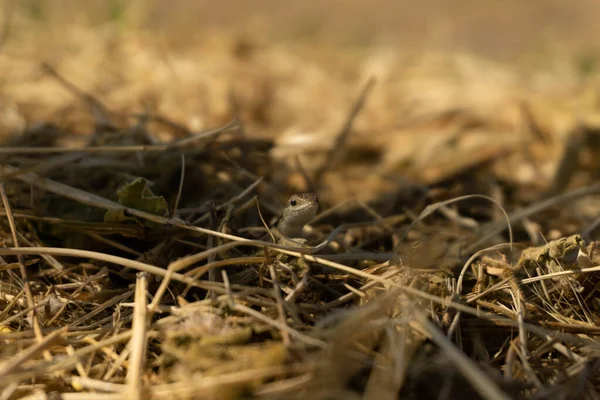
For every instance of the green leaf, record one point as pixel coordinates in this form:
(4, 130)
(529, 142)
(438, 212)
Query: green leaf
(139, 196)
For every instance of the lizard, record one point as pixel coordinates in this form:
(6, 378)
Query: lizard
(289, 228)
(300, 210)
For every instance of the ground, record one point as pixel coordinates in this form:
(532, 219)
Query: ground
(452, 146)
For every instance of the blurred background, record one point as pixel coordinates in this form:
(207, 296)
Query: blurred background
(502, 30)
(495, 71)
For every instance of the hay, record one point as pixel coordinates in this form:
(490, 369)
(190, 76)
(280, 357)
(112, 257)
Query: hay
(135, 261)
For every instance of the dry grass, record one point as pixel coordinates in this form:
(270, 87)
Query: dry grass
(454, 253)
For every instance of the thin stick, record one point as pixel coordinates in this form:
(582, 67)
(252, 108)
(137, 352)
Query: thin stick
(309, 183)
(228, 292)
(99, 111)
(180, 189)
(54, 263)
(494, 228)
(193, 388)
(106, 305)
(17, 316)
(15, 362)
(58, 364)
(217, 287)
(139, 339)
(13, 302)
(486, 387)
(100, 202)
(26, 286)
(336, 150)
(433, 207)
(79, 367)
(212, 274)
(137, 265)
(554, 275)
(349, 296)
(162, 289)
(298, 289)
(121, 149)
(280, 306)
(45, 166)
(283, 327)
(233, 200)
(96, 385)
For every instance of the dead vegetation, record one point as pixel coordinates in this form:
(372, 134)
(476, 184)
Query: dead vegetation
(454, 253)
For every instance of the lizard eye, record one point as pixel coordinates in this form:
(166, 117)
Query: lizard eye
(293, 202)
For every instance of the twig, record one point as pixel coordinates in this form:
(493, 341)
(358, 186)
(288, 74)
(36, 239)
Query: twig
(17, 316)
(309, 182)
(494, 228)
(99, 111)
(279, 302)
(53, 262)
(15, 362)
(212, 274)
(119, 362)
(113, 243)
(207, 286)
(162, 289)
(486, 387)
(79, 367)
(13, 303)
(199, 272)
(110, 259)
(283, 327)
(235, 111)
(58, 364)
(298, 289)
(100, 202)
(180, 189)
(569, 162)
(337, 149)
(228, 292)
(117, 149)
(139, 339)
(179, 129)
(26, 285)
(232, 201)
(46, 165)
(193, 388)
(433, 207)
(107, 304)
(263, 318)
(96, 385)
(349, 296)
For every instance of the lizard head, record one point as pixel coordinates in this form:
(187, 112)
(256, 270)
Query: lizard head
(300, 210)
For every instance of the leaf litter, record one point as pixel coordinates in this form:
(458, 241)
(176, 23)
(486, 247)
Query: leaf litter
(134, 266)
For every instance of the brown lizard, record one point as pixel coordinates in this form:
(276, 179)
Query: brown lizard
(300, 210)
